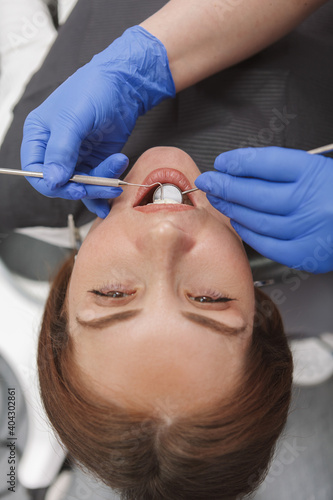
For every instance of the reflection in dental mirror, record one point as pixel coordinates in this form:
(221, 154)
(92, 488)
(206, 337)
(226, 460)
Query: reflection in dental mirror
(168, 193)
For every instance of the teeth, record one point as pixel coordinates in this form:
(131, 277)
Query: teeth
(165, 201)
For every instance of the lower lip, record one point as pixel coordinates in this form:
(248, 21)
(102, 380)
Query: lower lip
(167, 207)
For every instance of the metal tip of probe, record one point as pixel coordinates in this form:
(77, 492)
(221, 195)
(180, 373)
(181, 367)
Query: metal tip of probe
(190, 190)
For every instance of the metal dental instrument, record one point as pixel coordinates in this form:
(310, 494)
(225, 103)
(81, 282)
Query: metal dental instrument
(75, 236)
(168, 191)
(323, 149)
(82, 179)
(104, 181)
(190, 190)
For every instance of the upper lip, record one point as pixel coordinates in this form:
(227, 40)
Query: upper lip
(163, 175)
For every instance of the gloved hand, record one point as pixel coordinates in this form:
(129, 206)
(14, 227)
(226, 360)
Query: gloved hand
(280, 201)
(91, 115)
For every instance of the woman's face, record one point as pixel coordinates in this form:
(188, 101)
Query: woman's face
(161, 299)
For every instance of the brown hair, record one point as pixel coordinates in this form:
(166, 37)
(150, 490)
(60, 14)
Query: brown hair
(221, 453)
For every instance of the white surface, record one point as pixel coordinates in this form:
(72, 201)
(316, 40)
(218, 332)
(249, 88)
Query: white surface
(21, 314)
(313, 360)
(65, 7)
(61, 486)
(167, 193)
(55, 235)
(26, 35)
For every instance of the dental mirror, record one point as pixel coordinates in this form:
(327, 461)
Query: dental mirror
(168, 193)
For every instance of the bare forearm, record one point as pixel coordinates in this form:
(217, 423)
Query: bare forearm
(203, 37)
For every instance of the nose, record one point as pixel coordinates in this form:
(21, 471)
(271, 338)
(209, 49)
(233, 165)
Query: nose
(164, 243)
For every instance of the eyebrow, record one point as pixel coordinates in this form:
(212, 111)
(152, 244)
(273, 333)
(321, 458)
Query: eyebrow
(109, 320)
(211, 324)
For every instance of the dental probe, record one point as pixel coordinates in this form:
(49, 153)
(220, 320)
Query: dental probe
(190, 190)
(105, 181)
(82, 179)
(322, 149)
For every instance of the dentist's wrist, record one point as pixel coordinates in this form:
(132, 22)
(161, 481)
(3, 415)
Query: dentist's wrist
(145, 71)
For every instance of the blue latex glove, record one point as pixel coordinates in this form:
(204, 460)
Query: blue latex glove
(91, 115)
(280, 201)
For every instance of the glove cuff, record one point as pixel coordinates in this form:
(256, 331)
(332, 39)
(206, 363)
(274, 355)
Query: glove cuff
(142, 64)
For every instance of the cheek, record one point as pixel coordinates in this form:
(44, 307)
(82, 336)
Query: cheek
(226, 252)
(229, 265)
(104, 239)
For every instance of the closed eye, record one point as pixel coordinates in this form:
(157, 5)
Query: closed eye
(205, 299)
(114, 294)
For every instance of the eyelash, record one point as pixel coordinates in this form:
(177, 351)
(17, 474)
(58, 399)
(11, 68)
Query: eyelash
(212, 296)
(208, 297)
(106, 290)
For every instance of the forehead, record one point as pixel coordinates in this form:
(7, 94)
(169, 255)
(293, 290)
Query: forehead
(182, 366)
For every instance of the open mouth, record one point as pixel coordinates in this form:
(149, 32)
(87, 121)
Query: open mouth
(164, 176)
(148, 199)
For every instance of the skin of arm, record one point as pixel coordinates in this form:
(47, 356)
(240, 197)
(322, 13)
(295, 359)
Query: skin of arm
(203, 37)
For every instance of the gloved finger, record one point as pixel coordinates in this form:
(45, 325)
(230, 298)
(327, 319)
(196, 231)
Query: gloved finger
(101, 208)
(33, 149)
(281, 251)
(60, 156)
(70, 191)
(270, 163)
(108, 170)
(275, 226)
(112, 167)
(101, 192)
(264, 196)
(91, 154)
